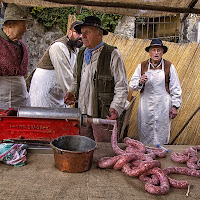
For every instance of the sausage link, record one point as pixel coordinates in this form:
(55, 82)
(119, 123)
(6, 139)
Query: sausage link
(135, 163)
(163, 188)
(191, 151)
(123, 160)
(142, 156)
(135, 143)
(107, 162)
(161, 153)
(182, 170)
(179, 157)
(115, 147)
(192, 163)
(131, 149)
(178, 184)
(144, 166)
(150, 178)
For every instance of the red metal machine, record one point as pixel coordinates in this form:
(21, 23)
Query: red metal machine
(39, 124)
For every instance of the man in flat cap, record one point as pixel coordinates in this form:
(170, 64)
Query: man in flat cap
(100, 82)
(54, 73)
(160, 95)
(13, 59)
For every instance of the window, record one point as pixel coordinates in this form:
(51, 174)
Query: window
(165, 28)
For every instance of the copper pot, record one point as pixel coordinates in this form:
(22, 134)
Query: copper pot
(73, 153)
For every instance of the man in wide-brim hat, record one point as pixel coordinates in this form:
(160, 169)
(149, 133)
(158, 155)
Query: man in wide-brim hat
(100, 81)
(160, 95)
(92, 21)
(13, 59)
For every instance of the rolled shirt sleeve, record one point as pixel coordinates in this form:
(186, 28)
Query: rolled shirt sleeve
(135, 79)
(60, 58)
(73, 86)
(120, 81)
(175, 87)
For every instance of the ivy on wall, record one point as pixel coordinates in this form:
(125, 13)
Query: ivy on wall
(49, 17)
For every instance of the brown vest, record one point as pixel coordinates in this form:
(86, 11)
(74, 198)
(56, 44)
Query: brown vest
(45, 61)
(167, 64)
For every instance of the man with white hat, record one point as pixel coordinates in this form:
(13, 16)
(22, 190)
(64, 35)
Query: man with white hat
(13, 59)
(160, 95)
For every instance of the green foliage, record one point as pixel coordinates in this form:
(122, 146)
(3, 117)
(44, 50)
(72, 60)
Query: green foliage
(49, 17)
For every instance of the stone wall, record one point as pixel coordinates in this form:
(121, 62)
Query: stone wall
(189, 29)
(126, 27)
(37, 41)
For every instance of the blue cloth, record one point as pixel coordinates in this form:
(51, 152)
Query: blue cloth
(88, 52)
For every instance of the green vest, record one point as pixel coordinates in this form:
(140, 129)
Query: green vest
(103, 81)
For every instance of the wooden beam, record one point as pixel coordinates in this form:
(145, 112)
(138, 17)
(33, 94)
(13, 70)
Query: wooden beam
(128, 6)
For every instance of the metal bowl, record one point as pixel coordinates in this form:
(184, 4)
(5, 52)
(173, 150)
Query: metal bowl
(73, 153)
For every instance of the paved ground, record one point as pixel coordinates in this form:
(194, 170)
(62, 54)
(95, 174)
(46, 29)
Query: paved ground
(39, 179)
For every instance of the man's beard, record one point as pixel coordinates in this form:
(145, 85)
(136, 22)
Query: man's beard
(77, 43)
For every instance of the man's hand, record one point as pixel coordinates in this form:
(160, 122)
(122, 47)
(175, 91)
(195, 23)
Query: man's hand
(113, 113)
(173, 112)
(69, 98)
(143, 79)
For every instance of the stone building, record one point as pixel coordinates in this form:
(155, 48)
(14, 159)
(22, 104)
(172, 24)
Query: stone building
(170, 28)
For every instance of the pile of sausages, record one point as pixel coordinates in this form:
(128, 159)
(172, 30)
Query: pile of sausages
(189, 156)
(138, 160)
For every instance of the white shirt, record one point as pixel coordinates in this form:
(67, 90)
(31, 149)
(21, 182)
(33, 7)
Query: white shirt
(48, 87)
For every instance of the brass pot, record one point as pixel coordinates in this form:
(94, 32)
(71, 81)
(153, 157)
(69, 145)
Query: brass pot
(73, 153)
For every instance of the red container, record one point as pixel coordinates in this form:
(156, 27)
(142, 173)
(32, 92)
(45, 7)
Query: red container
(13, 127)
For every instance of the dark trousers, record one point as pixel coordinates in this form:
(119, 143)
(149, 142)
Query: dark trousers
(99, 133)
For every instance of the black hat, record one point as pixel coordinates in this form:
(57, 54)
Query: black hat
(91, 21)
(157, 42)
(75, 23)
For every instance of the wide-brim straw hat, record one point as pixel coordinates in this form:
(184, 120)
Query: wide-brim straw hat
(155, 43)
(15, 12)
(91, 21)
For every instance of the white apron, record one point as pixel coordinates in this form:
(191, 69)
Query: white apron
(153, 110)
(45, 91)
(13, 92)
